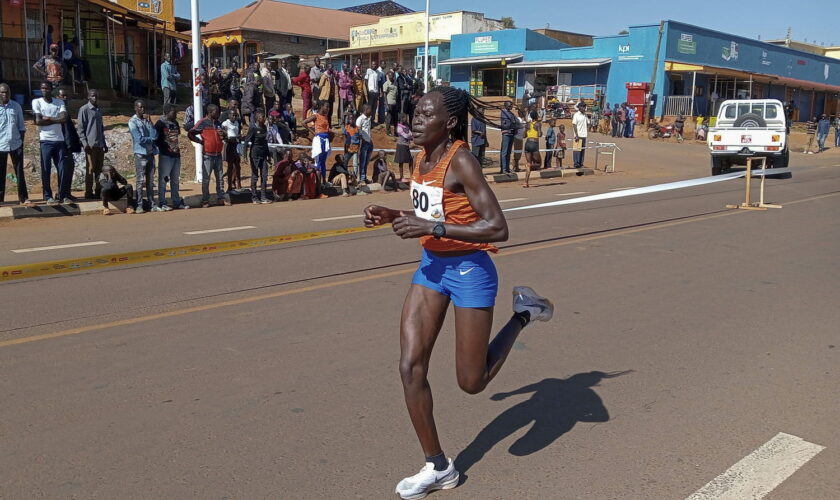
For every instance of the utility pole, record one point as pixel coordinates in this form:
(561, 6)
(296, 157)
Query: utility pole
(196, 84)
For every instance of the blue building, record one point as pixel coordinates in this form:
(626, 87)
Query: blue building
(679, 67)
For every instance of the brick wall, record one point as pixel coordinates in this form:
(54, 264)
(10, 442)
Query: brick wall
(282, 44)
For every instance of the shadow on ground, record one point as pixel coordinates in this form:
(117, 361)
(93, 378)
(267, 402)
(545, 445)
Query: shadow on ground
(554, 408)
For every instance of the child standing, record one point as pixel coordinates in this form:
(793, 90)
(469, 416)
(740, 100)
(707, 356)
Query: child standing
(233, 131)
(561, 145)
(352, 142)
(550, 140)
(403, 153)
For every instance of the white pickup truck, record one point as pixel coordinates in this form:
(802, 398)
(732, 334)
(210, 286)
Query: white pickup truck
(749, 128)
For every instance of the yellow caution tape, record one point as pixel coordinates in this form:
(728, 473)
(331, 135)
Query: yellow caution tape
(38, 269)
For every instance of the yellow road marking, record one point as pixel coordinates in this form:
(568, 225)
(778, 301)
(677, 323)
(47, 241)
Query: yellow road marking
(38, 269)
(361, 279)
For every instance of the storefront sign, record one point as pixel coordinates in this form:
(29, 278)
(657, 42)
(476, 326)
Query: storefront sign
(686, 44)
(730, 53)
(764, 60)
(631, 58)
(484, 45)
(624, 49)
(405, 29)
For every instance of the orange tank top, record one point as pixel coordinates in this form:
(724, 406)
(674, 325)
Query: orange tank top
(432, 201)
(322, 125)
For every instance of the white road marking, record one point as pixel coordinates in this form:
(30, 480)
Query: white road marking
(512, 199)
(355, 216)
(622, 189)
(221, 230)
(760, 472)
(59, 247)
(571, 194)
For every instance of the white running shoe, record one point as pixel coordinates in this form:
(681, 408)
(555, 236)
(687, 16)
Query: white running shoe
(427, 481)
(526, 299)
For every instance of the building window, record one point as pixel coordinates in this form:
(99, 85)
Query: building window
(323, 42)
(294, 38)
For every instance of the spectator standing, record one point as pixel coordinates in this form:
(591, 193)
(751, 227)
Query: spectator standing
(616, 125)
(168, 79)
(234, 84)
(622, 119)
(509, 125)
(518, 138)
(283, 82)
(269, 85)
(72, 145)
(389, 94)
(631, 122)
(305, 83)
(321, 141)
(363, 123)
(250, 102)
(214, 85)
(533, 133)
(327, 86)
(50, 67)
(345, 92)
(811, 130)
(478, 138)
(580, 127)
(382, 108)
(258, 139)
(372, 86)
(143, 137)
(358, 85)
(550, 141)
(92, 136)
(403, 155)
(823, 127)
(50, 114)
(109, 185)
(232, 126)
(169, 159)
(837, 131)
(315, 73)
(12, 133)
(352, 142)
(208, 132)
(561, 145)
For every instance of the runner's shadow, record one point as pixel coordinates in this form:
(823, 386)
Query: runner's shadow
(555, 406)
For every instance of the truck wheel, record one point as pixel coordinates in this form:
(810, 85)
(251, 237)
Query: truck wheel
(750, 120)
(717, 165)
(782, 161)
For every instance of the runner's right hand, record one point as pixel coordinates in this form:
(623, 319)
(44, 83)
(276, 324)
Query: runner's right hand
(376, 215)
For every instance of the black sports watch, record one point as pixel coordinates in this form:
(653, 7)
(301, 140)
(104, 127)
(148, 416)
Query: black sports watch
(439, 231)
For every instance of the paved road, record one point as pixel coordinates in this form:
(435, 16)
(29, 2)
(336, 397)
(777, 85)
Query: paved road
(686, 337)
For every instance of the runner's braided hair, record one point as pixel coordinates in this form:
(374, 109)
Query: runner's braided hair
(460, 104)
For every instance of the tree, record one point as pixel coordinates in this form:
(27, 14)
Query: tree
(507, 23)
(623, 32)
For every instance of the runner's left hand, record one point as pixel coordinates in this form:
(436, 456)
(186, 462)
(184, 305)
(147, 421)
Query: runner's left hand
(410, 226)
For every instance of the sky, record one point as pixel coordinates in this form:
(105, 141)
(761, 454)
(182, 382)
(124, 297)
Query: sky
(767, 19)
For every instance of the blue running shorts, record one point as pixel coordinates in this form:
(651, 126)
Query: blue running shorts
(468, 280)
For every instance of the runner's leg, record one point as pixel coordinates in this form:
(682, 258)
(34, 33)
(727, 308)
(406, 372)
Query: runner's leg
(422, 318)
(476, 361)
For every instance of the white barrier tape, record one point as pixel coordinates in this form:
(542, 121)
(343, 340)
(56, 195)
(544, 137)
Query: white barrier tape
(653, 189)
(494, 151)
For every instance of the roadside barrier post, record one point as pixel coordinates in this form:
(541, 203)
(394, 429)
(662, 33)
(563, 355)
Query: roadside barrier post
(748, 204)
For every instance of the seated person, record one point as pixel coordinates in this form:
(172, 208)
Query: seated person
(340, 175)
(311, 182)
(287, 180)
(382, 174)
(290, 118)
(110, 181)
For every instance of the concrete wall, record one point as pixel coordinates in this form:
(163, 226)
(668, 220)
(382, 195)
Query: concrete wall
(572, 39)
(473, 22)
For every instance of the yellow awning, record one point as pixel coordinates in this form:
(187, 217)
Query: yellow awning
(227, 39)
(673, 66)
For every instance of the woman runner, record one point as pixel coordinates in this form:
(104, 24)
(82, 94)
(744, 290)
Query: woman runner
(457, 218)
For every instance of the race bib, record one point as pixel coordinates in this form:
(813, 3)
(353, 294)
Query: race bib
(427, 201)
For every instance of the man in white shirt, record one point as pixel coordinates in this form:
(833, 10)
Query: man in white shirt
(269, 85)
(366, 147)
(372, 84)
(50, 114)
(580, 127)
